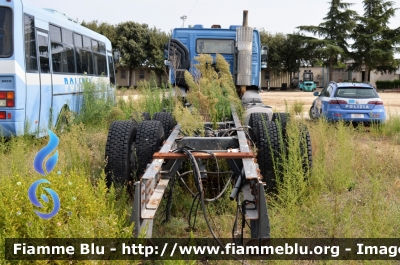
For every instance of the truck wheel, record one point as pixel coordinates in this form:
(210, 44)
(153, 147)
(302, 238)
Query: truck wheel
(269, 153)
(281, 118)
(305, 148)
(119, 153)
(167, 121)
(253, 121)
(150, 136)
(145, 116)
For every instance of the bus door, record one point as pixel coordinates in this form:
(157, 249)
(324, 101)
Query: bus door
(46, 93)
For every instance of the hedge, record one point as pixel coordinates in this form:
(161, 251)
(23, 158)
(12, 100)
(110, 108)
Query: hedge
(388, 84)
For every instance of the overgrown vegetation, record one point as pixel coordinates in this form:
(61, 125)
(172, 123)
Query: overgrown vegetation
(212, 91)
(352, 190)
(298, 107)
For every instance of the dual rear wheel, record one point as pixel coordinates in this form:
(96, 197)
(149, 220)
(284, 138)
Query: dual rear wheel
(130, 147)
(271, 139)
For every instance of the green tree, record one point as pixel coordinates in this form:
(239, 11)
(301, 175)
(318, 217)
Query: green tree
(155, 49)
(334, 33)
(374, 42)
(286, 52)
(297, 49)
(274, 43)
(103, 28)
(132, 42)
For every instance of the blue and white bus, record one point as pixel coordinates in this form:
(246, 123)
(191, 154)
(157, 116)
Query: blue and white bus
(44, 58)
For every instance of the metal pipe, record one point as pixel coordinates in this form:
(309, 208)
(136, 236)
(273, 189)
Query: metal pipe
(245, 22)
(236, 189)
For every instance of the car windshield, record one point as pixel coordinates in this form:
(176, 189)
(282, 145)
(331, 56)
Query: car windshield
(5, 32)
(356, 92)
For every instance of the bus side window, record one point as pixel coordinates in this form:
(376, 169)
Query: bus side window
(43, 47)
(62, 50)
(111, 69)
(78, 46)
(30, 44)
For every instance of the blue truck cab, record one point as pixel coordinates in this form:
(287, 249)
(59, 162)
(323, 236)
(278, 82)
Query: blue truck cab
(239, 45)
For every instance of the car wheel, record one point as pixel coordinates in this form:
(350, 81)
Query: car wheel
(313, 113)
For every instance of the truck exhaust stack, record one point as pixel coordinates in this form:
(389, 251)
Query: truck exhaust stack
(244, 46)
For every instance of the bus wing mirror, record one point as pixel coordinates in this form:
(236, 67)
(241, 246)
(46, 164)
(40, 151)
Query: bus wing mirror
(264, 56)
(264, 53)
(166, 51)
(116, 56)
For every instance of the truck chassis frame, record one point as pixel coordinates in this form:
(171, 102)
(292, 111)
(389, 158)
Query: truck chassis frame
(149, 191)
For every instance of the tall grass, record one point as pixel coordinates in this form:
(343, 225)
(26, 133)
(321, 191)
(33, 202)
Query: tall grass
(87, 209)
(98, 100)
(351, 192)
(212, 92)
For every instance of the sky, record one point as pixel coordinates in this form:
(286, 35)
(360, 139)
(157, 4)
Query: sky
(272, 15)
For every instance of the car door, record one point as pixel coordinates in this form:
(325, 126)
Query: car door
(318, 101)
(326, 97)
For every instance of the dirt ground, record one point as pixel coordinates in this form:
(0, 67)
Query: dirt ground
(276, 99)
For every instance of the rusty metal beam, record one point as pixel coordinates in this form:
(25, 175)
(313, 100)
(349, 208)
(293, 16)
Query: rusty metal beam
(222, 155)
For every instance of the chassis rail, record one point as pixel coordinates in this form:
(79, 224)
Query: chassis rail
(235, 149)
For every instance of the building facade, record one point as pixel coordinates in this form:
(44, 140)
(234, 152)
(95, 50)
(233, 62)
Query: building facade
(268, 78)
(321, 77)
(138, 74)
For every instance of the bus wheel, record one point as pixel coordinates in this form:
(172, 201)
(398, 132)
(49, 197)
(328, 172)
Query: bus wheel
(119, 155)
(150, 136)
(62, 120)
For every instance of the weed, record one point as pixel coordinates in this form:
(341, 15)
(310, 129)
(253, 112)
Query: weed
(212, 91)
(98, 100)
(298, 107)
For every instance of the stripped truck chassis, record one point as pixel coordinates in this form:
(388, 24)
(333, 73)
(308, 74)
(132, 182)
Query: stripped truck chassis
(149, 191)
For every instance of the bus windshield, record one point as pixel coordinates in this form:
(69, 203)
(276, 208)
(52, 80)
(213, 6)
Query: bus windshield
(6, 32)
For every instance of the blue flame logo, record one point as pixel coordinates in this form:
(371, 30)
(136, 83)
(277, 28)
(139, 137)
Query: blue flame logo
(45, 151)
(50, 164)
(35, 201)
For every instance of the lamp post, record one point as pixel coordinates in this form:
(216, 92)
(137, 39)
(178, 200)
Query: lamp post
(183, 20)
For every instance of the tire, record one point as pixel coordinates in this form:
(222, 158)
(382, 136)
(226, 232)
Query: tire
(282, 119)
(62, 120)
(305, 148)
(269, 153)
(167, 121)
(253, 121)
(145, 116)
(150, 136)
(119, 153)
